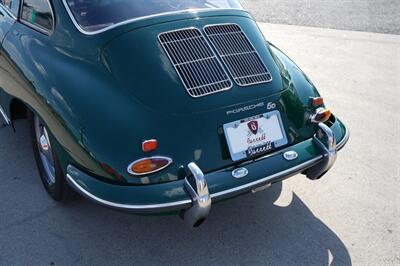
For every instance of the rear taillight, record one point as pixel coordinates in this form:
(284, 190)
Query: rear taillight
(149, 145)
(146, 166)
(317, 101)
(321, 115)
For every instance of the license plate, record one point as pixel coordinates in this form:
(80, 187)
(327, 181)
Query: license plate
(255, 135)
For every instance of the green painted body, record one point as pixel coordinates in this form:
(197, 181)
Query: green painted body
(102, 95)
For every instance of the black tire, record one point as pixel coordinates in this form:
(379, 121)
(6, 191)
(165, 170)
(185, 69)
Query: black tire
(59, 190)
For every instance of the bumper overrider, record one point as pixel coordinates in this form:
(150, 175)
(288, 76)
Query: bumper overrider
(195, 194)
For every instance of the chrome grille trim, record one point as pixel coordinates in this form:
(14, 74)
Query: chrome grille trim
(239, 55)
(196, 64)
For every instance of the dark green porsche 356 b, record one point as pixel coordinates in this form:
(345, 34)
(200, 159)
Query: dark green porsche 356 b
(159, 106)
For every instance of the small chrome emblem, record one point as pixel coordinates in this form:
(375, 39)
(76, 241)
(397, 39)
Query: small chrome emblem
(245, 109)
(271, 105)
(240, 173)
(290, 155)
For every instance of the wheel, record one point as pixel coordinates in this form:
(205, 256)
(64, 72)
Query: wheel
(47, 161)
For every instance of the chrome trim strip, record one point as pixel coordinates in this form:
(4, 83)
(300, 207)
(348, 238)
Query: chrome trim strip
(186, 203)
(149, 158)
(3, 113)
(344, 141)
(107, 203)
(285, 173)
(79, 28)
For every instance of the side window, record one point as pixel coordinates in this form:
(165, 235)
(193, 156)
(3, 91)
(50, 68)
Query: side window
(12, 5)
(38, 13)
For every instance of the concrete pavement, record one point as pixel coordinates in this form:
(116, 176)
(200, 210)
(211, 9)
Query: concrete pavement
(381, 16)
(349, 217)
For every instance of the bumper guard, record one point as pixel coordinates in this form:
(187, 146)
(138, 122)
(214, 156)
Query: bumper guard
(326, 143)
(197, 186)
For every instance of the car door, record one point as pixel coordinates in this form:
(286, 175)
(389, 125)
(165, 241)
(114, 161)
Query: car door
(8, 15)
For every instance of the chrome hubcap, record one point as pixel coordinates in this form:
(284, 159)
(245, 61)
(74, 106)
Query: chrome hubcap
(45, 151)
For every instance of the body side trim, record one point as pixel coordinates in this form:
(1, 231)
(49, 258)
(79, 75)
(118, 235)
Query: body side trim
(161, 206)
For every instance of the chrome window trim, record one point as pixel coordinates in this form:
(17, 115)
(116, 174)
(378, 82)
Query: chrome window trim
(6, 118)
(255, 50)
(37, 27)
(8, 11)
(80, 29)
(214, 54)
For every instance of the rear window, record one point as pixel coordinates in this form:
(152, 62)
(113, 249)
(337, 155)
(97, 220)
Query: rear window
(38, 13)
(95, 15)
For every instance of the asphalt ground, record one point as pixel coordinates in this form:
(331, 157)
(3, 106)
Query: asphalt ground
(351, 216)
(381, 16)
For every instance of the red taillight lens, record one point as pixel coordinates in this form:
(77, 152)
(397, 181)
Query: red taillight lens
(150, 165)
(149, 145)
(317, 101)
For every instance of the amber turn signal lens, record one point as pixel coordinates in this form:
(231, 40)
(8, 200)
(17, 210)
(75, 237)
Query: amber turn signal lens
(322, 115)
(317, 101)
(150, 165)
(149, 145)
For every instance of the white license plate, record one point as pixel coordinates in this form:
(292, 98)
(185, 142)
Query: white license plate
(255, 135)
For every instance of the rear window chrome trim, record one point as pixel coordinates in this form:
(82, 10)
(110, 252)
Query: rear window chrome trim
(82, 30)
(35, 27)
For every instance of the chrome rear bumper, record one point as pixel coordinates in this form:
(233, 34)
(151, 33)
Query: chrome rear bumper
(196, 199)
(324, 139)
(186, 204)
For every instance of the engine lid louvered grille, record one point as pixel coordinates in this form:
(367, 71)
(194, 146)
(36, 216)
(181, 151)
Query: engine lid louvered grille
(195, 62)
(239, 55)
